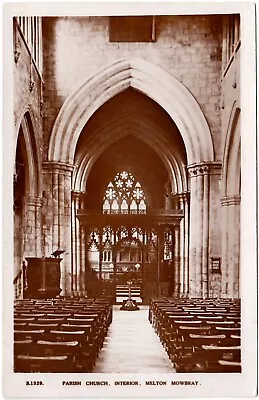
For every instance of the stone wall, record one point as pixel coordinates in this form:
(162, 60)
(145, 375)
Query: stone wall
(230, 188)
(27, 107)
(188, 47)
(27, 95)
(230, 92)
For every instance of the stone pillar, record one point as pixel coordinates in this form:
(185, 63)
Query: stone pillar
(100, 249)
(181, 249)
(193, 233)
(186, 244)
(176, 261)
(203, 176)
(75, 265)
(224, 248)
(199, 244)
(236, 289)
(196, 229)
(82, 265)
(160, 255)
(57, 216)
(205, 237)
(114, 261)
(32, 227)
(230, 246)
(38, 226)
(215, 227)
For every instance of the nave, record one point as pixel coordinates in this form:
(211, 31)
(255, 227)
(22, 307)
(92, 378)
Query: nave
(132, 346)
(91, 335)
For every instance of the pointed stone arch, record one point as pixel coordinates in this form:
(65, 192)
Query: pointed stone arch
(150, 80)
(27, 190)
(231, 157)
(231, 198)
(31, 148)
(154, 139)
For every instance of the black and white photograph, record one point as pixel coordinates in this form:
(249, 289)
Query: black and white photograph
(130, 247)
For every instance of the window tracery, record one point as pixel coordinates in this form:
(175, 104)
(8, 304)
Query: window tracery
(124, 195)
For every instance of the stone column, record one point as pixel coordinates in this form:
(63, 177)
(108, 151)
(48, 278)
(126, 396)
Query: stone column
(224, 248)
(196, 229)
(32, 227)
(100, 249)
(215, 227)
(231, 246)
(82, 268)
(186, 244)
(193, 233)
(200, 227)
(160, 255)
(205, 237)
(38, 226)
(114, 261)
(236, 289)
(181, 249)
(75, 266)
(176, 261)
(57, 216)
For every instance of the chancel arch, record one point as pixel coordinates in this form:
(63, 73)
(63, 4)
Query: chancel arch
(119, 129)
(130, 133)
(150, 80)
(89, 126)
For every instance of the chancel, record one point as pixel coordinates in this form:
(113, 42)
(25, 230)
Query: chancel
(127, 193)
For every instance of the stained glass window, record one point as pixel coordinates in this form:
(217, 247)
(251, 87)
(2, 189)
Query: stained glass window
(124, 195)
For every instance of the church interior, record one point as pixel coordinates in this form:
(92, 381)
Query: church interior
(126, 193)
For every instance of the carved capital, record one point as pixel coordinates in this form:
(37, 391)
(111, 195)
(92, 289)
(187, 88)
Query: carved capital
(182, 197)
(78, 195)
(231, 200)
(185, 196)
(58, 167)
(204, 168)
(75, 194)
(198, 169)
(33, 201)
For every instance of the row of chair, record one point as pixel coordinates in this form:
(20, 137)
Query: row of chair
(59, 335)
(199, 335)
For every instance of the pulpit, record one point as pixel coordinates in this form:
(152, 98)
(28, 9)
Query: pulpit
(43, 277)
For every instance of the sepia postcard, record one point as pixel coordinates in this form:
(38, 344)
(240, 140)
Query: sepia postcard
(129, 200)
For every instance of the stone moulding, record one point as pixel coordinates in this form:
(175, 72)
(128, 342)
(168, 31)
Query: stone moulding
(150, 80)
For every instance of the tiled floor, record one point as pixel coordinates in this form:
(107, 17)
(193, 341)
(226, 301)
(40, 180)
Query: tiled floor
(132, 345)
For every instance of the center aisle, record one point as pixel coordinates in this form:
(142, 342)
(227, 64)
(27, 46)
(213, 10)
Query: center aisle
(132, 345)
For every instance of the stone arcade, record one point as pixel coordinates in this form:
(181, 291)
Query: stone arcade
(166, 112)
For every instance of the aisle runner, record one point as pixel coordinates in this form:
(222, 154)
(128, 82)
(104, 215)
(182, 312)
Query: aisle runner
(132, 345)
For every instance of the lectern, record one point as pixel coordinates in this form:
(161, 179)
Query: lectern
(43, 277)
